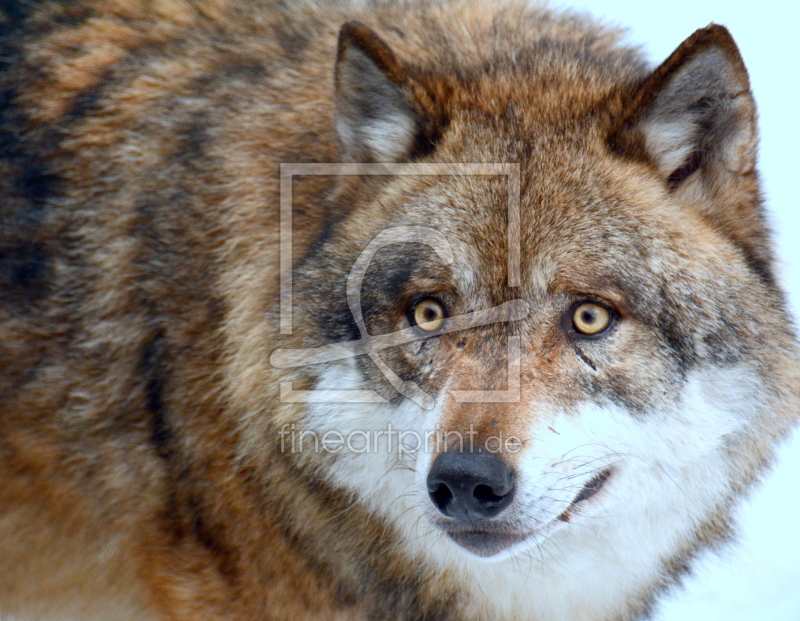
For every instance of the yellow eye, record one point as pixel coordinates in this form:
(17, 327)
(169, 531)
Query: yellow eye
(590, 319)
(428, 315)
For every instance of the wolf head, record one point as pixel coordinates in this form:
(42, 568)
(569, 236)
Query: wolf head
(578, 357)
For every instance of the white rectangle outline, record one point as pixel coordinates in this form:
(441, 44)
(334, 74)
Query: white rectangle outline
(289, 170)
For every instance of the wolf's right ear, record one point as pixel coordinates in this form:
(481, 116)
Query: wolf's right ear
(383, 114)
(695, 114)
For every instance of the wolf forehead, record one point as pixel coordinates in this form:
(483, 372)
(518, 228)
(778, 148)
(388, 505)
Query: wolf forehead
(583, 229)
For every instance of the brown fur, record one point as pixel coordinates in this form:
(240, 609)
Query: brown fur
(139, 160)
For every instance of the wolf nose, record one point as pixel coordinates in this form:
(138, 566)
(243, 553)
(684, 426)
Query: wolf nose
(469, 486)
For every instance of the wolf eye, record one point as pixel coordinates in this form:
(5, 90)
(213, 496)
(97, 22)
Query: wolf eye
(428, 315)
(591, 319)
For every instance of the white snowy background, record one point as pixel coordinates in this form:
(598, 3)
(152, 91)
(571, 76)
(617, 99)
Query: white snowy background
(757, 579)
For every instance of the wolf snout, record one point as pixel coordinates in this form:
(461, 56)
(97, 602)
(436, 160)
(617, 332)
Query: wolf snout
(470, 486)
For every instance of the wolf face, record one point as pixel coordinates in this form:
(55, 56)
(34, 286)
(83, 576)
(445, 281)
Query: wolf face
(608, 445)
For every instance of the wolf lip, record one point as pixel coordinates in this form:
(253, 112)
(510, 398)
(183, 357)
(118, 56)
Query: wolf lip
(486, 543)
(590, 489)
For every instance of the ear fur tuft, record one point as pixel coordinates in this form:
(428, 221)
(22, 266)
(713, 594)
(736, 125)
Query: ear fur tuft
(383, 114)
(695, 111)
(693, 120)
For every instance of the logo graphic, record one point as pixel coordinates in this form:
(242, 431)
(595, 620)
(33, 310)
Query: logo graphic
(369, 345)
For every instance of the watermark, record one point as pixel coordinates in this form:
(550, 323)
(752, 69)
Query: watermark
(390, 440)
(369, 345)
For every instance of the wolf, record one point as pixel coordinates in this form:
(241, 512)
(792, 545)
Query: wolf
(403, 310)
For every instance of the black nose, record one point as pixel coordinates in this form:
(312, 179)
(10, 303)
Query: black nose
(469, 486)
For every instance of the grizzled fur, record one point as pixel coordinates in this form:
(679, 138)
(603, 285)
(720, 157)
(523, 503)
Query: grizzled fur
(140, 143)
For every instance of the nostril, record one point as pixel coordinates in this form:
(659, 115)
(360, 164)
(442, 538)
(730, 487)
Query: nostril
(470, 486)
(485, 496)
(441, 497)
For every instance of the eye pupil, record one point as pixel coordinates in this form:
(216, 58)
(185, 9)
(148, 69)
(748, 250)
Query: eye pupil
(428, 315)
(590, 319)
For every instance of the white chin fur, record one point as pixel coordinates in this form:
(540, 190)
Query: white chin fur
(670, 473)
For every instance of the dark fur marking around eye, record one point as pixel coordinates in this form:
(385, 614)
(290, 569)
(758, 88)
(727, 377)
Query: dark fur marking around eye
(339, 324)
(396, 280)
(684, 348)
(584, 357)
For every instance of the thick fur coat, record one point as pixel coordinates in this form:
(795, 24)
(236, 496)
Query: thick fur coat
(144, 468)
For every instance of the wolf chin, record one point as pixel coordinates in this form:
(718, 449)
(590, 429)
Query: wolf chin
(532, 392)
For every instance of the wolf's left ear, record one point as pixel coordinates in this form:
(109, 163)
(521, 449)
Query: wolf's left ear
(694, 112)
(694, 121)
(383, 114)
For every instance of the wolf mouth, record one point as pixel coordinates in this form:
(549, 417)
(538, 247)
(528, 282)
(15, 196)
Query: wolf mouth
(488, 543)
(588, 490)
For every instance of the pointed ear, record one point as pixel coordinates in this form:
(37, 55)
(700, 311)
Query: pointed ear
(694, 121)
(383, 114)
(696, 109)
